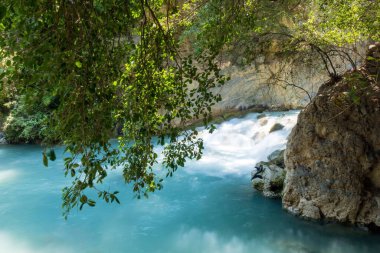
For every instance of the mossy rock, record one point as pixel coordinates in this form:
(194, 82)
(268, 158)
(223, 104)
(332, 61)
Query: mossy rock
(277, 158)
(258, 185)
(277, 185)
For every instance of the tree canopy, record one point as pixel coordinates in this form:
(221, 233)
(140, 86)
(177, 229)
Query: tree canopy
(93, 66)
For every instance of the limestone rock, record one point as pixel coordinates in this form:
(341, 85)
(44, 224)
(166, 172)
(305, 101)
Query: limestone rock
(333, 154)
(254, 84)
(268, 177)
(308, 209)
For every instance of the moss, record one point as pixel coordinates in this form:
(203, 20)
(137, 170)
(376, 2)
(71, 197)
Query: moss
(277, 184)
(258, 185)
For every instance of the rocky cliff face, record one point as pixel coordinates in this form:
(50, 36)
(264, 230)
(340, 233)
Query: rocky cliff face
(274, 82)
(333, 153)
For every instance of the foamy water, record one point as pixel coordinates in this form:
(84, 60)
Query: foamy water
(238, 144)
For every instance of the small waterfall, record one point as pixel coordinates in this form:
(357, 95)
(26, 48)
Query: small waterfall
(238, 144)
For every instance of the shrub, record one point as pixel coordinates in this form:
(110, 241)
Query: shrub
(25, 125)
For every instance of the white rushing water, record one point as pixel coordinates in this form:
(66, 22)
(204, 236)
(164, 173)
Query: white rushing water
(238, 144)
(207, 207)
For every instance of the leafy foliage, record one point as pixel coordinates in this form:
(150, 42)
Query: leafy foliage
(341, 22)
(26, 124)
(73, 52)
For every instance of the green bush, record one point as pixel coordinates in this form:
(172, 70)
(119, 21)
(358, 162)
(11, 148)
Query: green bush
(25, 125)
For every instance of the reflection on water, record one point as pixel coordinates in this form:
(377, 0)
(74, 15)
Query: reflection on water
(13, 244)
(7, 176)
(207, 207)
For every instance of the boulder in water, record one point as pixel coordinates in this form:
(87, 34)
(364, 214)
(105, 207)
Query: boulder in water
(268, 177)
(276, 127)
(261, 115)
(263, 121)
(333, 154)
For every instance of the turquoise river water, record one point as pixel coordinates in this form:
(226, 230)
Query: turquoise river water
(207, 207)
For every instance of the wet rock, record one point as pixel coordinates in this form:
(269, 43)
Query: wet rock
(276, 127)
(268, 177)
(259, 136)
(263, 121)
(260, 116)
(277, 158)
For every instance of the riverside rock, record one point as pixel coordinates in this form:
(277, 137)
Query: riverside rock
(276, 127)
(268, 177)
(332, 157)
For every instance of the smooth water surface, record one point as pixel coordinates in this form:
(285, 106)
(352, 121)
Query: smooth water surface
(207, 207)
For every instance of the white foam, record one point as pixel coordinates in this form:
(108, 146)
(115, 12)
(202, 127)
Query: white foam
(238, 144)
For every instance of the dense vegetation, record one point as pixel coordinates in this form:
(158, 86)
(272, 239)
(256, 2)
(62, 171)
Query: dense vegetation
(74, 71)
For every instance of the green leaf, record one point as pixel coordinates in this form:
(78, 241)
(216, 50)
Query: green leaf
(78, 64)
(83, 199)
(3, 12)
(44, 159)
(52, 155)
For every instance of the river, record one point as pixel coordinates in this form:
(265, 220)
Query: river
(207, 207)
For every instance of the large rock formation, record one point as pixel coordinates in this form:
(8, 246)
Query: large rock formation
(333, 153)
(269, 80)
